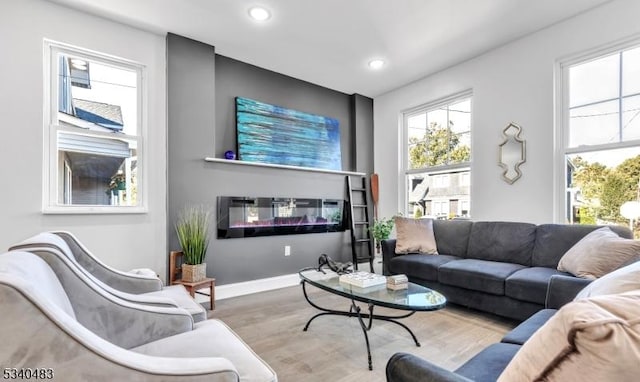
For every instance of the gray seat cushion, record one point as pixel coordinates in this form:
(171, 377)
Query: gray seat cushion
(213, 338)
(530, 284)
(481, 275)
(525, 330)
(424, 267)
(489, 363)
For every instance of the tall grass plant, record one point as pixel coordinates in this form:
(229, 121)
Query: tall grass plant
(192, 228)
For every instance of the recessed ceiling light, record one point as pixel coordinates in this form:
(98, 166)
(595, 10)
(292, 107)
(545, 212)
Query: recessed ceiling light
(376, 64)
(259, 13)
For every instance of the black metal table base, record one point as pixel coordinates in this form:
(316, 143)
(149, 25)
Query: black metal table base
(356, 311)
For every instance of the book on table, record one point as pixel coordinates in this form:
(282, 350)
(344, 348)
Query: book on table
(397, 286)
(397, 279)
(363, 279)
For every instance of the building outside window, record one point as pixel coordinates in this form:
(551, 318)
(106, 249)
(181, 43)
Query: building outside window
(600, 135)
(93, 161)
(437, 161)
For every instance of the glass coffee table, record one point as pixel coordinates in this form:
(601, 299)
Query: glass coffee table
(415, 298)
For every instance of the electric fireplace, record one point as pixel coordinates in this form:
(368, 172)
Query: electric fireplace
(242, 216)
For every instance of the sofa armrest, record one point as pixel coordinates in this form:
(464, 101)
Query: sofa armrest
(388, 252)
(404, 367)
(563, 289)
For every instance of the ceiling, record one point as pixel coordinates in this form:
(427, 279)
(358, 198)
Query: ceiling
(330, 42)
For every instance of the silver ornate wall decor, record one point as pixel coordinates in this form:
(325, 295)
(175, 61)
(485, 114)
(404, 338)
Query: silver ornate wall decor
(512, 153)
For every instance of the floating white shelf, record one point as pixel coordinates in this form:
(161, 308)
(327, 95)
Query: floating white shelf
(282, 166)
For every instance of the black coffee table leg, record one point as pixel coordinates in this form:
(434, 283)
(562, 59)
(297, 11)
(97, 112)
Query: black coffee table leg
(356, 311)
(365, 328)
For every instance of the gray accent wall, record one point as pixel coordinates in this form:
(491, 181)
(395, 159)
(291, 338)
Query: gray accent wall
(202, 87)
(238, 79)
(362, 122)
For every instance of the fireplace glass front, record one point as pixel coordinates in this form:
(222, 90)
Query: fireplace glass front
(258, 216)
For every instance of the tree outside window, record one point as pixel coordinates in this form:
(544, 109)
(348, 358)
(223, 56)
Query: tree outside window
(602, 136)
(438, 160)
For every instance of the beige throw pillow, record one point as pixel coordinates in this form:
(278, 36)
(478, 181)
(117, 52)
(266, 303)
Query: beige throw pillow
(598, 253)
(621, 280)
(415, 235)
(595, 339)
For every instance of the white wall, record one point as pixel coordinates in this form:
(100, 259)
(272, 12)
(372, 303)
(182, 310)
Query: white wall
(123, 241)
(514, 83)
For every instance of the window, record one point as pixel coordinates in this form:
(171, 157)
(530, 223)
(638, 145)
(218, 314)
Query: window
(441, 181)
(94, 124)
(440, 208)
(437, 157)
(600, 135)
(465, 179)
(463, 208)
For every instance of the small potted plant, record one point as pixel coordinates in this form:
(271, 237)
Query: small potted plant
(381, 230)
(192, 228)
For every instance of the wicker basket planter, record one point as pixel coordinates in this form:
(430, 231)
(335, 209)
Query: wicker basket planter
(194, 273)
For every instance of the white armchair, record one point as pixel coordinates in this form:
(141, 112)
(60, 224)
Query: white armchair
(41, 327)
(131, 287)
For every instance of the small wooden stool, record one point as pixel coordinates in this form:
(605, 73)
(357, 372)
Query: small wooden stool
(193, 287)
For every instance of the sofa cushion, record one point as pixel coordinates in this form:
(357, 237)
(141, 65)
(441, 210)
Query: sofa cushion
(424, 267)
(480, 275)
(452, 236)
(554, 240)
(415, 236)
(502, 241)
(598, 253)
(521, 333)
(530, 284)
(621, 280)
(594, 339)
(489, 363)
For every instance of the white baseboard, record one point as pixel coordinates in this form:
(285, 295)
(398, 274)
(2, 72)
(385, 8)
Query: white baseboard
(249, 287)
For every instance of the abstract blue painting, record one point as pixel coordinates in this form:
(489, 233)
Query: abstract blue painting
(277, 135)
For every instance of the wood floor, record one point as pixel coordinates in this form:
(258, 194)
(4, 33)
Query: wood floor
(333, 349)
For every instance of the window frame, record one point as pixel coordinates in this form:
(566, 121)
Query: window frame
(405, 171)
(562, 118)
(52, 125)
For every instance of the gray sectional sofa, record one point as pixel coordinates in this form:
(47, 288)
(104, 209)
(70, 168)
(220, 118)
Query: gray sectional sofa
(487, 365)
(499, 267)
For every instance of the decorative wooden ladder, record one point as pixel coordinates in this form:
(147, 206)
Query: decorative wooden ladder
(360, 220)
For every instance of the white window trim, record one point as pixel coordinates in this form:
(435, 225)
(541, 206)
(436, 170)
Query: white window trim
(50, 204)
(561, 119)
(403, 161)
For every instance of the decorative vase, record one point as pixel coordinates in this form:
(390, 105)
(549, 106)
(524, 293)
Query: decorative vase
(194, 273)
(229, 154)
